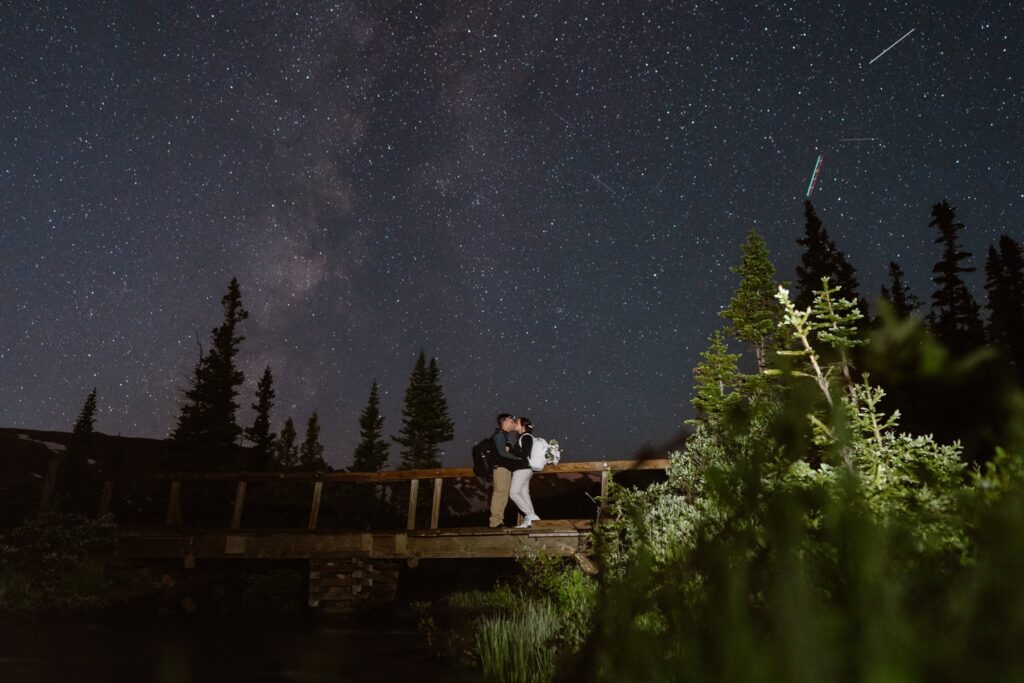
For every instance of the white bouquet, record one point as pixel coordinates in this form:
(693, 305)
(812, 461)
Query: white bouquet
(554, 453)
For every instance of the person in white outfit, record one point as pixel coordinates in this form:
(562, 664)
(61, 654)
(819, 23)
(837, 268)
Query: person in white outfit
(519, 491)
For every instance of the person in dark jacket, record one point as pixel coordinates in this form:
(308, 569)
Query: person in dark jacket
(502, 478)
(519, 490)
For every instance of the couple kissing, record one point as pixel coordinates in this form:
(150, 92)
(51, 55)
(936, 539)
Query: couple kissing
(513, 441)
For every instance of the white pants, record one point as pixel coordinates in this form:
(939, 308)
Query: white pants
(519, 492)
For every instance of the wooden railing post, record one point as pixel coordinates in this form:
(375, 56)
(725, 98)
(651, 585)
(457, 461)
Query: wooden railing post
(173, 517)
(236, 513)
(435, 509)
(105, 496)
(174, 514)
(50, 483)
(414, 487)
(314, 509)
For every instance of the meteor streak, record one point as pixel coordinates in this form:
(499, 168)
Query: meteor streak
(604, 185)
(892, 46)
(814, 177)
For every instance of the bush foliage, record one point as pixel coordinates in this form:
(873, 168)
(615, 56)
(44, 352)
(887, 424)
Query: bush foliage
(55, 562)
(801, 536)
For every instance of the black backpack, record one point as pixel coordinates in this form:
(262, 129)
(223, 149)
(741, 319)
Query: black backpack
(484, 457)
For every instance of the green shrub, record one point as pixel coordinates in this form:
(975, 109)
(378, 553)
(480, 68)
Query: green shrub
(55, 562)
(801, 537)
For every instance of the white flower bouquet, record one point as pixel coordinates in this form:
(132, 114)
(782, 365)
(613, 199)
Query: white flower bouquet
(554, 452)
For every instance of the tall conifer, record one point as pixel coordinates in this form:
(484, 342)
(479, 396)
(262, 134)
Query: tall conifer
(754, 312)
(821, 259)
(81, 434)
(372, 451)
(425, 420)
(1004, 281)
(311, 453)
(716, 376)
(207, 430)
(898, 293)
(412, 436)
(954, 317)
(259, 434)
(74, 482)
(286, 451)
(440, 426)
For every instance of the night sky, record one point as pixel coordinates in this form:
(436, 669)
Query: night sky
(546, 196)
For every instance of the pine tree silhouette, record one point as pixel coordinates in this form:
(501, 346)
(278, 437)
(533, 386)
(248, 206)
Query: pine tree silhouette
(754, 311)
(1004, 281)
(440, 427)
(954, 317)
(372, 451)
(370, 456)
(259, 434)
(81, 434)
(311, 453)
(76, 489)
(425, 421)
(898, 294)
(286, 451)
(207, 430)
(412, 437)
(822, 259)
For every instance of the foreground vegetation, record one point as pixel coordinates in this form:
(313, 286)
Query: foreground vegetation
(801, 534)
(55, 563)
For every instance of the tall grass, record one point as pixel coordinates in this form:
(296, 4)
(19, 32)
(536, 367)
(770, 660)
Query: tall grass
(518, 647)
(482, 600)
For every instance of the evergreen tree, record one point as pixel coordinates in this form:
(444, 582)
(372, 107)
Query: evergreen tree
(898, 294)
(995, 287)
(821, 259)
(207, 427)
(425, 421)
(311, 453)
(74, 485)
(259, 434)
(81, 434)
(754, 311)
(439, 424)
(954, 318)
(286, 451)
(1004, 281)
(716, 376)
(372, 451)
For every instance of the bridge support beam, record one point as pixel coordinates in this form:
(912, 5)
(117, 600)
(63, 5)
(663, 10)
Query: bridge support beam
(349, 585)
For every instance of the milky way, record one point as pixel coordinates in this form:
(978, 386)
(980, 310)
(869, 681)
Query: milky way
(546, 196)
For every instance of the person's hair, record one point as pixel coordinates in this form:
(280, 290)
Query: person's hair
(502, 416)
(527, 425)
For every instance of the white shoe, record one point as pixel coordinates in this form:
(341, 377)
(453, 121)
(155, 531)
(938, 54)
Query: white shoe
(532, 518)
(526, 524)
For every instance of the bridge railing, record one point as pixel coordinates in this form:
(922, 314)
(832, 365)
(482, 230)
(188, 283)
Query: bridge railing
(174, 480)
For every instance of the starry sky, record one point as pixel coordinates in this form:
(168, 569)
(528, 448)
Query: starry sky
(547, 196)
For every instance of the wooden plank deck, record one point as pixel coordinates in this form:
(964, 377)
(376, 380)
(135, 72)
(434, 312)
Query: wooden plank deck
(559, 537)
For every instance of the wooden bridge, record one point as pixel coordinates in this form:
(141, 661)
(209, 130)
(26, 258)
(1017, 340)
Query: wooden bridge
(347, 567)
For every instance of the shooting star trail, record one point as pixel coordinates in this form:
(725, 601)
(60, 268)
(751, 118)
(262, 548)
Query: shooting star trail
(561, 118)
(814, 177)
(892, 46)
(857, 139)
(657, 185)
(605, 186)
